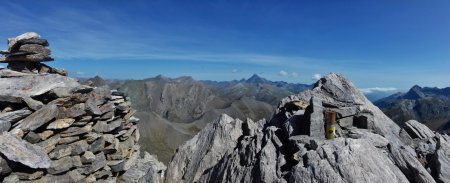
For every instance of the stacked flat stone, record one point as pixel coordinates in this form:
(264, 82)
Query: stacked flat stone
(53, 129)
(26, 53)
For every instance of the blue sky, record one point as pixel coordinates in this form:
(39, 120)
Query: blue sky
(385, 43)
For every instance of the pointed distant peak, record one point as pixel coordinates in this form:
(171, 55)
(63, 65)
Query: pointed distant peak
(96, 81)
(97, 77)
(160, 76)
(256, 79)
(414, 93)
(415, 87)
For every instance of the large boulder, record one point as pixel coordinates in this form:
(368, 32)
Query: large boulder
(418, 130)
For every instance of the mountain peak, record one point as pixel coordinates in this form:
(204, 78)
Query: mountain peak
(416, 87)
(97, 77)
(256, 79)
(414, 93)
(159, 77)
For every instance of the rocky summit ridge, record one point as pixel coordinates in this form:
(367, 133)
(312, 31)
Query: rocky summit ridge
(291, 147)
(54, 129)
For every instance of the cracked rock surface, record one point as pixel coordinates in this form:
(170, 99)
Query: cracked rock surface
(291, 147)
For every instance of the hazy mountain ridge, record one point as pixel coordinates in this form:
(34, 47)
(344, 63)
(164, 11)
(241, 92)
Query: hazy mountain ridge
(257, 87)
(429, 105)
(174, 110)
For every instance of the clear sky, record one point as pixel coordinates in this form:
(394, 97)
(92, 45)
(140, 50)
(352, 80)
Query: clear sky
(382, 43)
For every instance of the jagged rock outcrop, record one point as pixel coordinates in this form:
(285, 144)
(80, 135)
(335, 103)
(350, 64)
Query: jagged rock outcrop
(291, 147)
(53, 129)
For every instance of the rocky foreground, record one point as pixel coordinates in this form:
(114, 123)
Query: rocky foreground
(291, 147)
(53, 129)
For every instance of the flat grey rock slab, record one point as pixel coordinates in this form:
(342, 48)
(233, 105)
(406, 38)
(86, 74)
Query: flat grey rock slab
(9, 118)
(11, 73)
(418, 130)
(18, 150)
(39, 118)
(14, 89)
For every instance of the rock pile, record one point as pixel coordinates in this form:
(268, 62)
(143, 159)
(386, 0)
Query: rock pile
(291, 147)
(53, 129)
(26, 52)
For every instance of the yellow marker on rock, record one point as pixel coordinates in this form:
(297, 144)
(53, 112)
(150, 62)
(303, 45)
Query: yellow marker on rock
(330, 124)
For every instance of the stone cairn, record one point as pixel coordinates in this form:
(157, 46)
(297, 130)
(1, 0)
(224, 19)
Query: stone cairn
(53, 129)
(26, 52)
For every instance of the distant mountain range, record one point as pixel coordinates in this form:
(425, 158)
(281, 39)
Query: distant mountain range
(374, 96)
(430, 106)
(172, 111)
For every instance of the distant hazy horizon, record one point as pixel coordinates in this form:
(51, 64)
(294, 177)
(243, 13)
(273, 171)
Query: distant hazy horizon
(372, 94)
(379, 45)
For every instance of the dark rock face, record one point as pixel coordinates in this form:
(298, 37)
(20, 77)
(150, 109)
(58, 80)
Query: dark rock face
(430, 106)
(291, 147)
